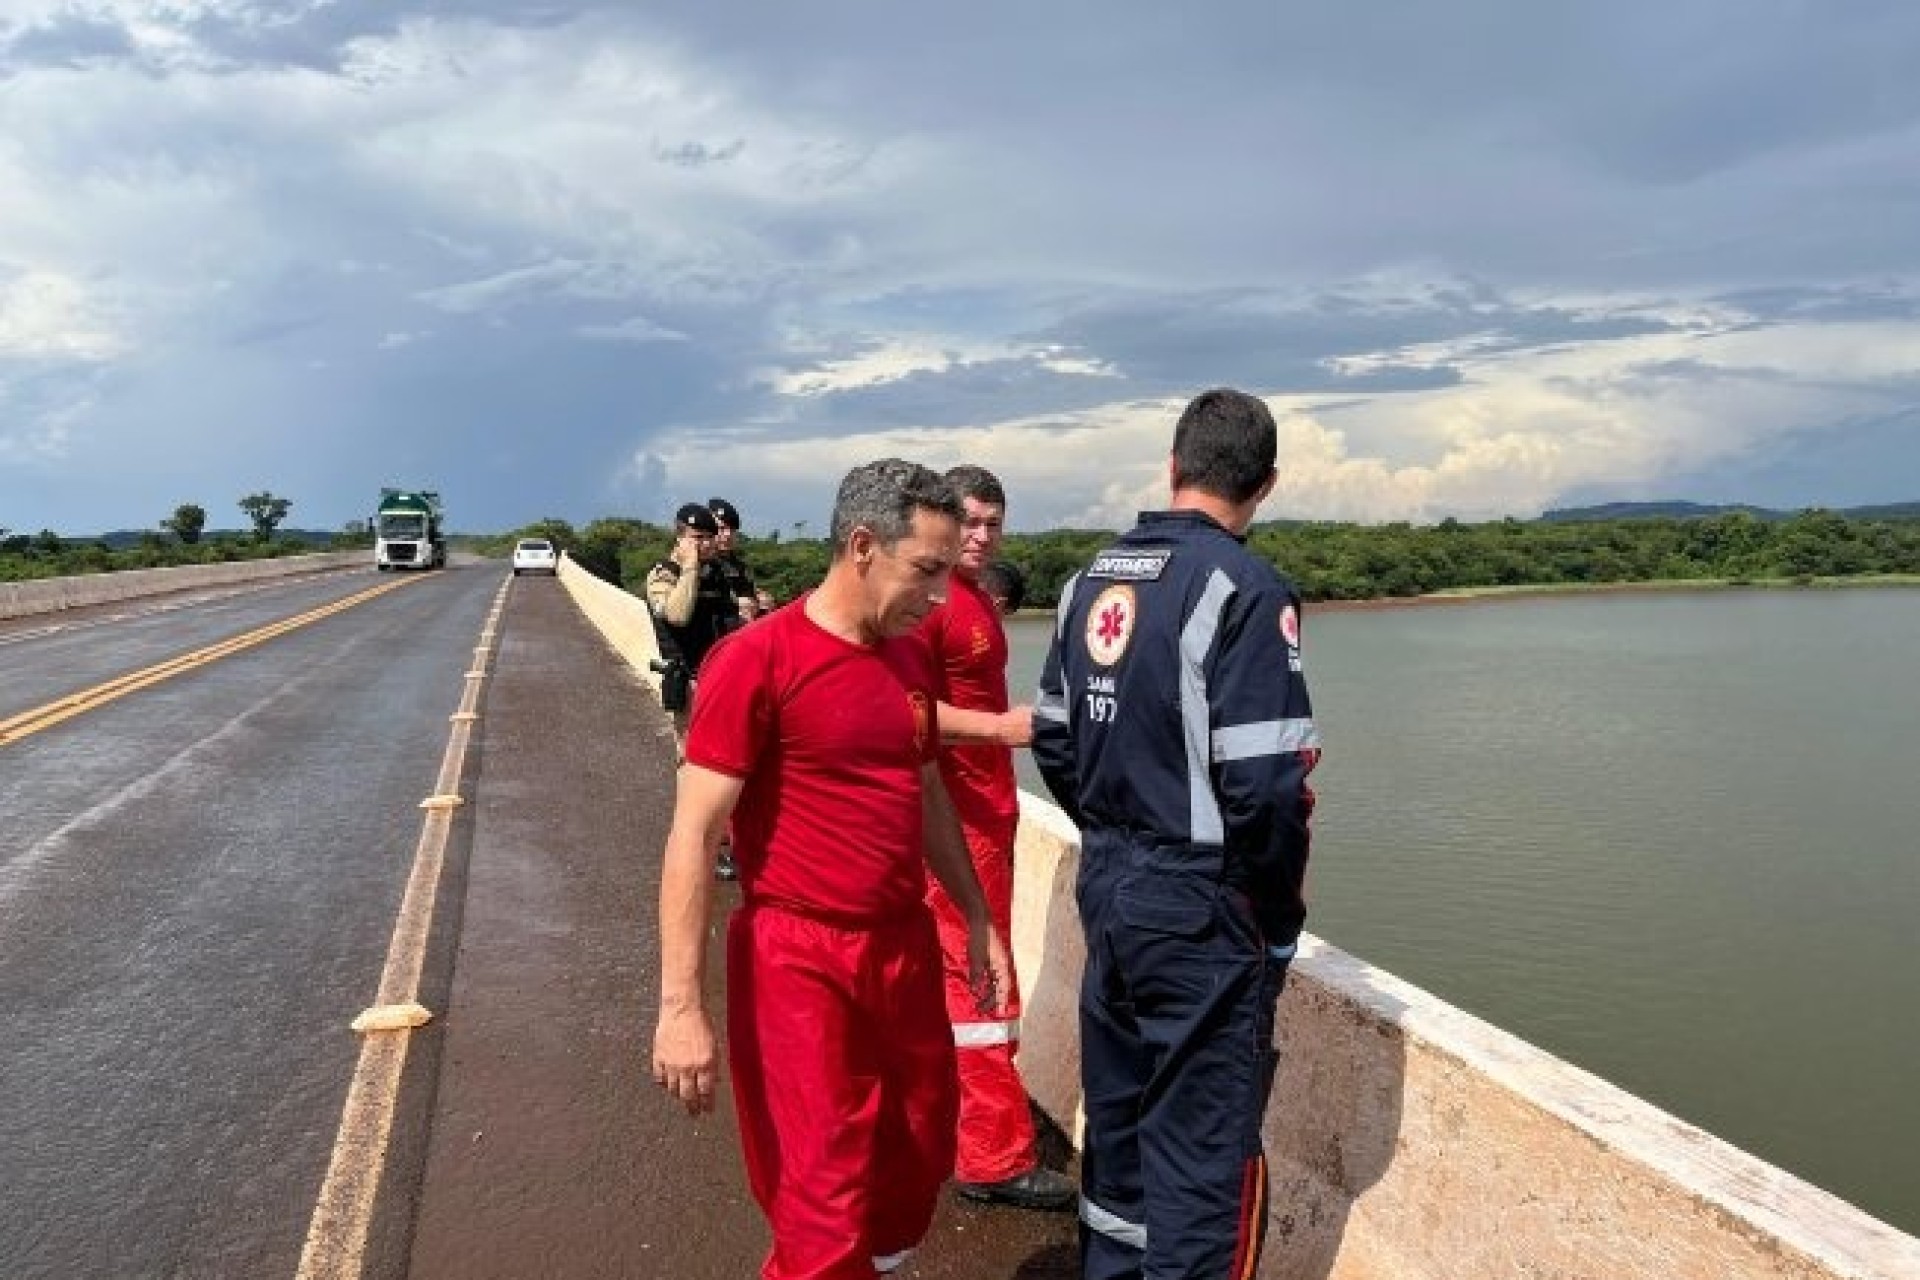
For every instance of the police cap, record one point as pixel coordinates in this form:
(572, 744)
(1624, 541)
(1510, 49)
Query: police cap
(697, 518)
(725, 513)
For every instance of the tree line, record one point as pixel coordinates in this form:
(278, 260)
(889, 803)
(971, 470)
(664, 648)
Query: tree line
(180, 539)
(1330, 561)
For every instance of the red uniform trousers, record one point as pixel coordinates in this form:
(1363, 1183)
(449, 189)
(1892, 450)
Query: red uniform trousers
(843, 1080)
(996, 1139)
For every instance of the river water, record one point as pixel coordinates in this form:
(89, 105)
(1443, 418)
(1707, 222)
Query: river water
(1671, 838)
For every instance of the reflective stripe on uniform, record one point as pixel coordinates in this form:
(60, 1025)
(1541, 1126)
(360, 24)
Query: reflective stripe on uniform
(888, 1263)
(1265, 738)
(979, 1035)
(1064, 609)
(1204, 826)
(1112, 1225)
(1052, 707)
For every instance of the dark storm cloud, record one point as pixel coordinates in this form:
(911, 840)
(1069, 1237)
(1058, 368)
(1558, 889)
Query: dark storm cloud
(448, 227)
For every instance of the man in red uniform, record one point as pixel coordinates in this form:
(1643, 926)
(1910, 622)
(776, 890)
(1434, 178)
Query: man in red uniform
(816, 733)
(998, 1160)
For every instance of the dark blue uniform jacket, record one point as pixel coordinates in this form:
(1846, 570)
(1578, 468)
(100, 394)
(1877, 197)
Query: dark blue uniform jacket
(1172, 715)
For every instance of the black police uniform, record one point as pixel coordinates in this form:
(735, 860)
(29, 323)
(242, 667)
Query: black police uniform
(1174, 727)
(714, 610)
(732, 567)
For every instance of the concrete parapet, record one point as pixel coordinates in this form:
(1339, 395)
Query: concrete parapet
(1408, 1140)
(620, 616)
(50, 595)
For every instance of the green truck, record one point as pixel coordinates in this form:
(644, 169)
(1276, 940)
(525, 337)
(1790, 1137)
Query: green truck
(409, 531)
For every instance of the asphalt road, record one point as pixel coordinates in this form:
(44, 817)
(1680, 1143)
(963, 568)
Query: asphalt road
(198, 885)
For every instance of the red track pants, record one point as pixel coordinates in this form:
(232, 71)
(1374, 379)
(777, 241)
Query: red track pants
(843, 1080)
(996, 1137)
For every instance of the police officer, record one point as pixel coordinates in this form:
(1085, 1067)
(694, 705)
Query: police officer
(1173, 725)
(687, 592)
(732, 566)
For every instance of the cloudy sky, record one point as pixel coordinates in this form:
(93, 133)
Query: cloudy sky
(1483, 257)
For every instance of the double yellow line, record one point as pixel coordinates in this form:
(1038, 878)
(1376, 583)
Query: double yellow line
(342, 1221)
(21, 725)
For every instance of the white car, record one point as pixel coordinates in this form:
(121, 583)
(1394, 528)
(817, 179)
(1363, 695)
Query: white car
(535, 555)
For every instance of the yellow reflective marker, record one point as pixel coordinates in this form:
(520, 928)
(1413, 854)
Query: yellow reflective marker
(392, 1017)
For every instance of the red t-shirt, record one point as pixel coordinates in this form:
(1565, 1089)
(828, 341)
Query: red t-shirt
(971, 647)
(829, 737)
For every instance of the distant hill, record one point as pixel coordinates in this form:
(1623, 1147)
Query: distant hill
(1885, 511)
(1676, 510)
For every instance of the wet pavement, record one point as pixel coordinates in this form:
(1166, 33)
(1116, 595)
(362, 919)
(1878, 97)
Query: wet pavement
(551, 1153)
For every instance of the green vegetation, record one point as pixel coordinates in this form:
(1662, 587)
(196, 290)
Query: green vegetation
(266, 511)
(1365, 562)
(46, 554)
(1351, 562)
(1328, 561)
(187, 523)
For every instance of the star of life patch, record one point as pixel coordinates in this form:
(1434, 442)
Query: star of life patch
(1110, 625)
(1130, 566)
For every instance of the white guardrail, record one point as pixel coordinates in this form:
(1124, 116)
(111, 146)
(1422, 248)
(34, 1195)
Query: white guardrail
(50, 595)
(1409, 1140)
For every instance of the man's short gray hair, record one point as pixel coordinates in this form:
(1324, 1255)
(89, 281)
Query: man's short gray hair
(883, 496)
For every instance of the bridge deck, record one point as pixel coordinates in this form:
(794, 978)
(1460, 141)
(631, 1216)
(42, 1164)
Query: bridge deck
(551, 1153)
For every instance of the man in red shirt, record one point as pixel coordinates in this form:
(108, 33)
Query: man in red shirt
(998, 1160)
(816, 733)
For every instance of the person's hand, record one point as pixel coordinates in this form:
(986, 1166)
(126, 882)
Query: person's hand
(686, 551)
(686, 1059)
(1016, 726)
(989, 970)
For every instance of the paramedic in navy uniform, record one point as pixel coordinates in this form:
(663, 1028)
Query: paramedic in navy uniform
(1173, 725)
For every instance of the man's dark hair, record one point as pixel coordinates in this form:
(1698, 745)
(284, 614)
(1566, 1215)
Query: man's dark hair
(1003, 578)
(1225, 444)
(884, 495)
(977, 483)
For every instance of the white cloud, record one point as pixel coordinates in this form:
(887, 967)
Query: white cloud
(632, 329)
(890, 358)
(46, 315)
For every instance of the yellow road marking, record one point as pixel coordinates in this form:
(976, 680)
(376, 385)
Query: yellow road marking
(19, 726)
(336, 1242)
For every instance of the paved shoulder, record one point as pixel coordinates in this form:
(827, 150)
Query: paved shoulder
(551, 1152)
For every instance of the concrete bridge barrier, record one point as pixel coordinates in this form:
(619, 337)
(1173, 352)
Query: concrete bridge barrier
(621, 617)
(50, 595)
(1408, 1140)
